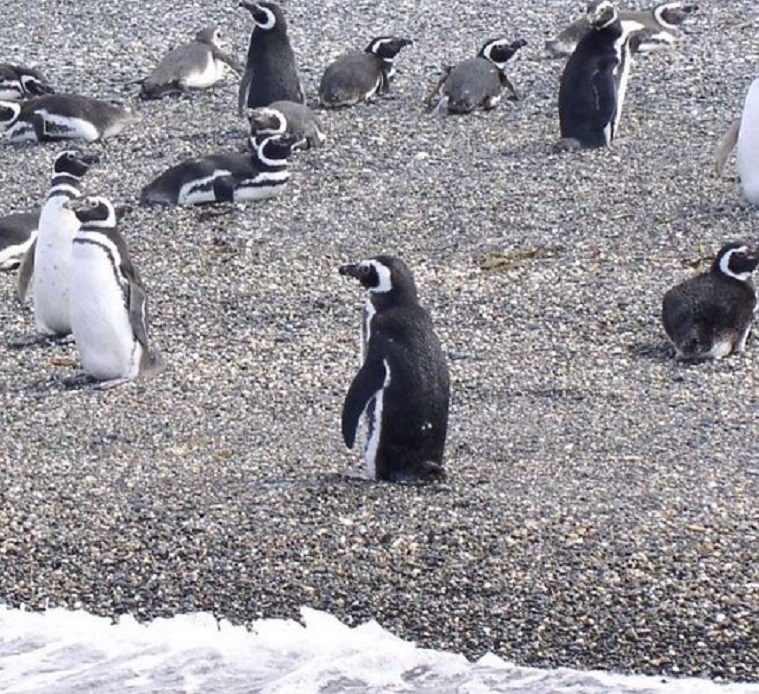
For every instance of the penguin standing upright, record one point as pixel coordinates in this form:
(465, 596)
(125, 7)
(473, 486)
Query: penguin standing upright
(402, 390)
(359, 75)
(594, 81)
(19, 82)
(271, 73)
(709, 316)
(108, 301)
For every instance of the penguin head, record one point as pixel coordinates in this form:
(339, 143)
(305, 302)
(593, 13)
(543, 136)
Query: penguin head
(74, 163)
(387, 47)
(274, 149)
(387, 277)
(736, 261)
(9, 113)
(266, 121)
(671, 14)
(266, 15)
(499, 51)
(93, 210)
(34, 83)
(210, 35)
(601, 13)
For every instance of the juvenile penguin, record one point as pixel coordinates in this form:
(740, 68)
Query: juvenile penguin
(401, 393)
(108, 301)
(287, 117)
(594, 81)
(359, 75)
(709, 316)
(477, 83)
(231, 177)
(17, 233)
(63, 117)
(199, 64)
(271, 73)
(19, 82)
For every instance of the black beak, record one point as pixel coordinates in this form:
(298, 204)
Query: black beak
(349, 270)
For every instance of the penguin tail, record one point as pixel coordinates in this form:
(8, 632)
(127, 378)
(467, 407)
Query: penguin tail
(151, 91)
(153, 363)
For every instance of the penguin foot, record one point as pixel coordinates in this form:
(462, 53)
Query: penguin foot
(567, 144)
(423, 473)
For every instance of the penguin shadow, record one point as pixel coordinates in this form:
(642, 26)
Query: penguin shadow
(39, 341)
(652, 351)
(358, 480)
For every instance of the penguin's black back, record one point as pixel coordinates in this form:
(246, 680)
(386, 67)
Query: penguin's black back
(352, 78)
(471, 84)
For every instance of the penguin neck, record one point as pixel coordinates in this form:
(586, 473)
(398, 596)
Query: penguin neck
(397, 296)
(64, 185)
(265, 163)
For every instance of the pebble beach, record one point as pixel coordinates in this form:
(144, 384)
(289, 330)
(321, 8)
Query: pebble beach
(602, 503)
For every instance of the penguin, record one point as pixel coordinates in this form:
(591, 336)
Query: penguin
(17, 234)
(231, 177)
(281, 117)
(660, 28)
(63, 117)
(199, 64)
(359, 75)
(594, 81)
(271, 72)
(19, 82)
(108, 300)
(401, 393)
(46, 264)
(709, 316)
(476, 83)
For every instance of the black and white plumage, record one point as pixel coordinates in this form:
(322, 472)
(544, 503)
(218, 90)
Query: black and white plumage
(271, 71)
(709, 316)
(401, 393)
(63, 117)
(477, 83)
(19, 82)
(108, 300)
(17, 233)
(198, 64)
(359, 75)
(287, 117)
(229, 177)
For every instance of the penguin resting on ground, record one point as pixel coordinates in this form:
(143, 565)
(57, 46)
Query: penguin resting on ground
(477, 83)
(19, 82)
(271, 73)
(402, 390)
(359, 75)
(17, 233)
(108, 301)
(199, 64)
(709, 316)
(287, 117)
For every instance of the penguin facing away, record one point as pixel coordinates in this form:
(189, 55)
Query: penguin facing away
(287, 117)
(199, 64)
(108, 300)
(477, 83)
(400, 396)
(709, 316)
(17, 233)
(271, 72)
(359, 75)
(19, 82)
(63, 117)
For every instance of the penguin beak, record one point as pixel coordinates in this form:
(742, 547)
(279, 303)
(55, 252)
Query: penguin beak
(90, 159)
(349, 270)
(72, 205)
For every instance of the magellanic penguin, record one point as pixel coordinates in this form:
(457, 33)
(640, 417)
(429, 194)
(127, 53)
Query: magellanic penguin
(199, 64)
(709, 316)
(63, 117)
(230, 177)
(108, 301)
(271, 72)
(401, 394)
(287, 117)
(19, 82)
(594, 81)
(359, 75)
(17, 233)
(477, 83)
(660, 28)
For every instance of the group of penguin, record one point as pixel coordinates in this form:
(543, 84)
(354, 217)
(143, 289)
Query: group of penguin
(82, 281)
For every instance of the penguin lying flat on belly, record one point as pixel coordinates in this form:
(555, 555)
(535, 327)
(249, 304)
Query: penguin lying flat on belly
(17, 233)
(19, 82)
(287, 117)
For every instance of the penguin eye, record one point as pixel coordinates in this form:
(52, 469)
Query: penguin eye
(364, 270)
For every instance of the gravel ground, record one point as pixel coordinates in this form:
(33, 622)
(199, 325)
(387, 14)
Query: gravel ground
(602, 506)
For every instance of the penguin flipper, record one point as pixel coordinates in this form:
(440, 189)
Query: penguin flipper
(435, 96)
(26, 272)
(605, 91)
(365, 386)
(137, 308)
(244, 93)
(725, 146)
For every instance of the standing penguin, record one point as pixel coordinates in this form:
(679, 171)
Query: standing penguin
(19, 82)
(108, 301)
(709, 316)
(594, 81)
(271, 73)
(477, 82)
(359, 75)
(287, 117)
(199, 64)
(402, 390)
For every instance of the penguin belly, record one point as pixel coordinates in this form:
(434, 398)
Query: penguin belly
(267, 185)
(99, 318)
(60, 127)
(748, 145)
(208, 75)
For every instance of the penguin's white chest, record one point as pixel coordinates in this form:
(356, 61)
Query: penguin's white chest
(68, 127)
(372, 422)
(99, 316)
(207, 75)
(748, 145)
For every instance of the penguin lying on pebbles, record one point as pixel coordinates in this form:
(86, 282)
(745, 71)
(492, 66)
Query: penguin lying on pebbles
(281, 117)
(199, 64)
(401, 393)
(359, 75)
(63, 117)
(477, 82)
(271, 73)
(17, 234)
(660, 25)
(19, 82)
(709, 316)
(108, 301)
(231, 177)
